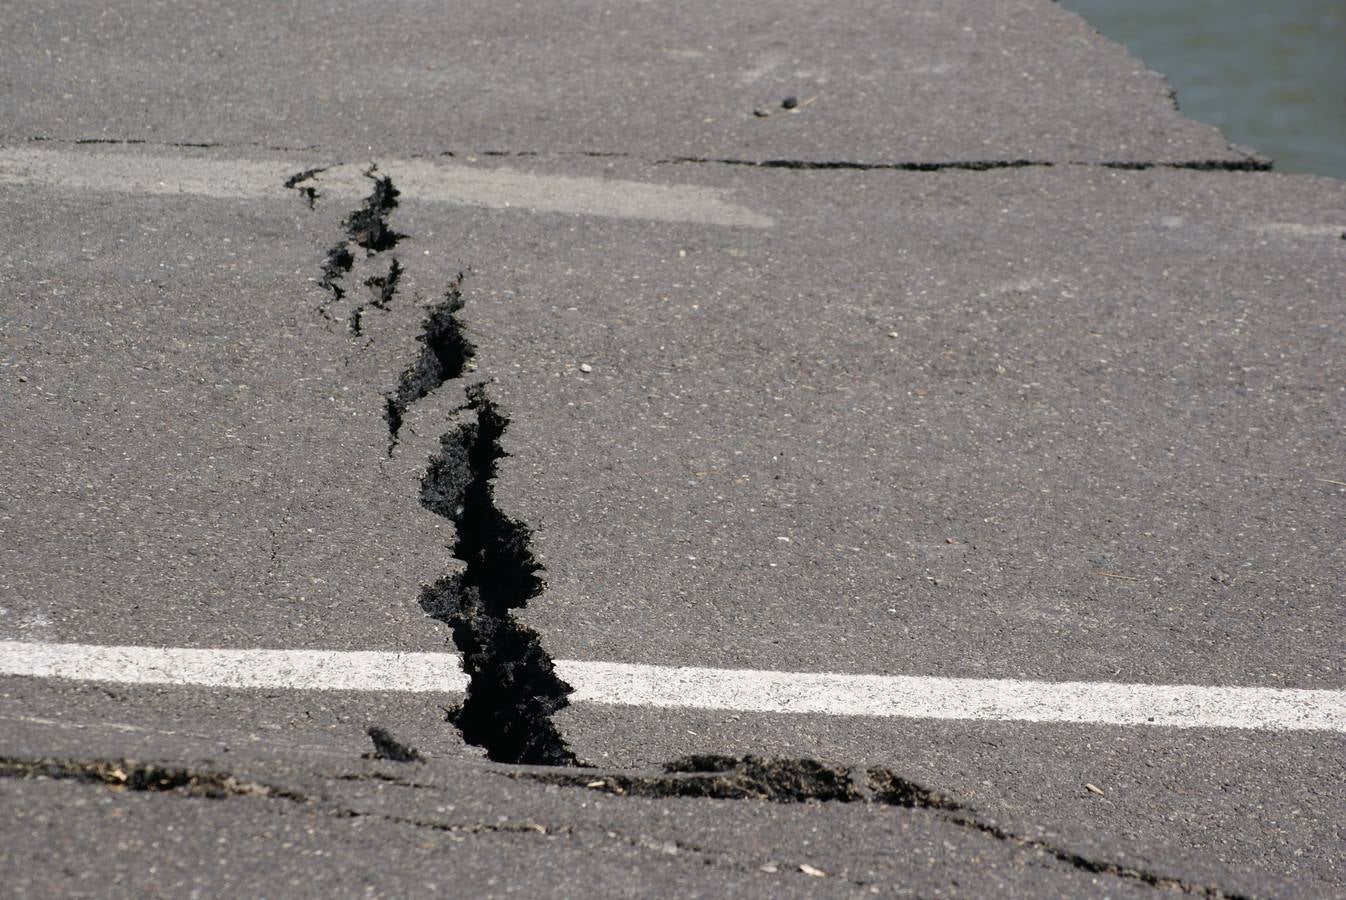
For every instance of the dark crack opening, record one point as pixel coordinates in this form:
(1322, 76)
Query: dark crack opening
(382, 289)
(513, 690)
(444, 355)
(338, 263)
(723, 778)
(1247, 164)
(975, 165)
(367, 225)
(296, 183)
(133, 776)
(708, 776)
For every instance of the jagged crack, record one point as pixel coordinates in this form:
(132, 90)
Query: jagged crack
(724, 778)
(338, 263)
(513, 689)
(804, 780)
(974, 165)
(133, 776)
(366, 227)
(445, 351)
(384, 287)
(1246, 164)
(296, 183)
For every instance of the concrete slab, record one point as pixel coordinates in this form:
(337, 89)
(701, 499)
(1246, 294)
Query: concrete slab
(1059, 424)
(875, 82)
(185, 452)
(298, 805)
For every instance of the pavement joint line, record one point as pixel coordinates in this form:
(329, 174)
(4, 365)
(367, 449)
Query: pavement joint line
(453, 183)
(691, 687)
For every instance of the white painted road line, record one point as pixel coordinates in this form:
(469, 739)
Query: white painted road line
(322, 670)
(922, 697)
(744, 690)
(418, 180)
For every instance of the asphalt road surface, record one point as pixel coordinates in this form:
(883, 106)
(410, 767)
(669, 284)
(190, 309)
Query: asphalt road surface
(624, 451)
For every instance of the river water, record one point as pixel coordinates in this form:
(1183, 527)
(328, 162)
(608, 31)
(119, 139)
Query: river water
(1271, 75)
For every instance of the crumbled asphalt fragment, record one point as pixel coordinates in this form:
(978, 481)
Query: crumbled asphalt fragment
(804, 780)
(133, 776)
(390, 748)
(338, 263)
(444, 354)
(296, 183)
(887, 787)
(384, 287)
(367, 225)
(724, 778)
(513, 690)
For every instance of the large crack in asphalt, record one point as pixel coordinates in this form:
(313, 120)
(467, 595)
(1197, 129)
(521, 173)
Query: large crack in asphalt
(134, 776)
(710, 776)
(444, 356)
(366, 228)
(805, 780)
(697, 777)
(513, 690)
(212, 784)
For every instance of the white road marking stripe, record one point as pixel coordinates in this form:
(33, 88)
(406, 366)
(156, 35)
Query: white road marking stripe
(329, 670)
(420, 180)
(744, 690)
(924, 697)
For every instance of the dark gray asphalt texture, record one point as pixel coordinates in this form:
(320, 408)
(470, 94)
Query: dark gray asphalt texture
(1064, 421)
(928, 82)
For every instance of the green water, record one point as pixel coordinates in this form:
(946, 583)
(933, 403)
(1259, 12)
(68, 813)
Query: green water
(1271, 75)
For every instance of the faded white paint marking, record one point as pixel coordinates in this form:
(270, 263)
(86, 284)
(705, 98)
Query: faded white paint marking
(1296, 229)
(419, 180)
(745, 690)
(505, 188)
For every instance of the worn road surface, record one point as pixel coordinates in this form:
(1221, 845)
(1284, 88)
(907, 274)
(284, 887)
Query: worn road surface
(780, 450)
